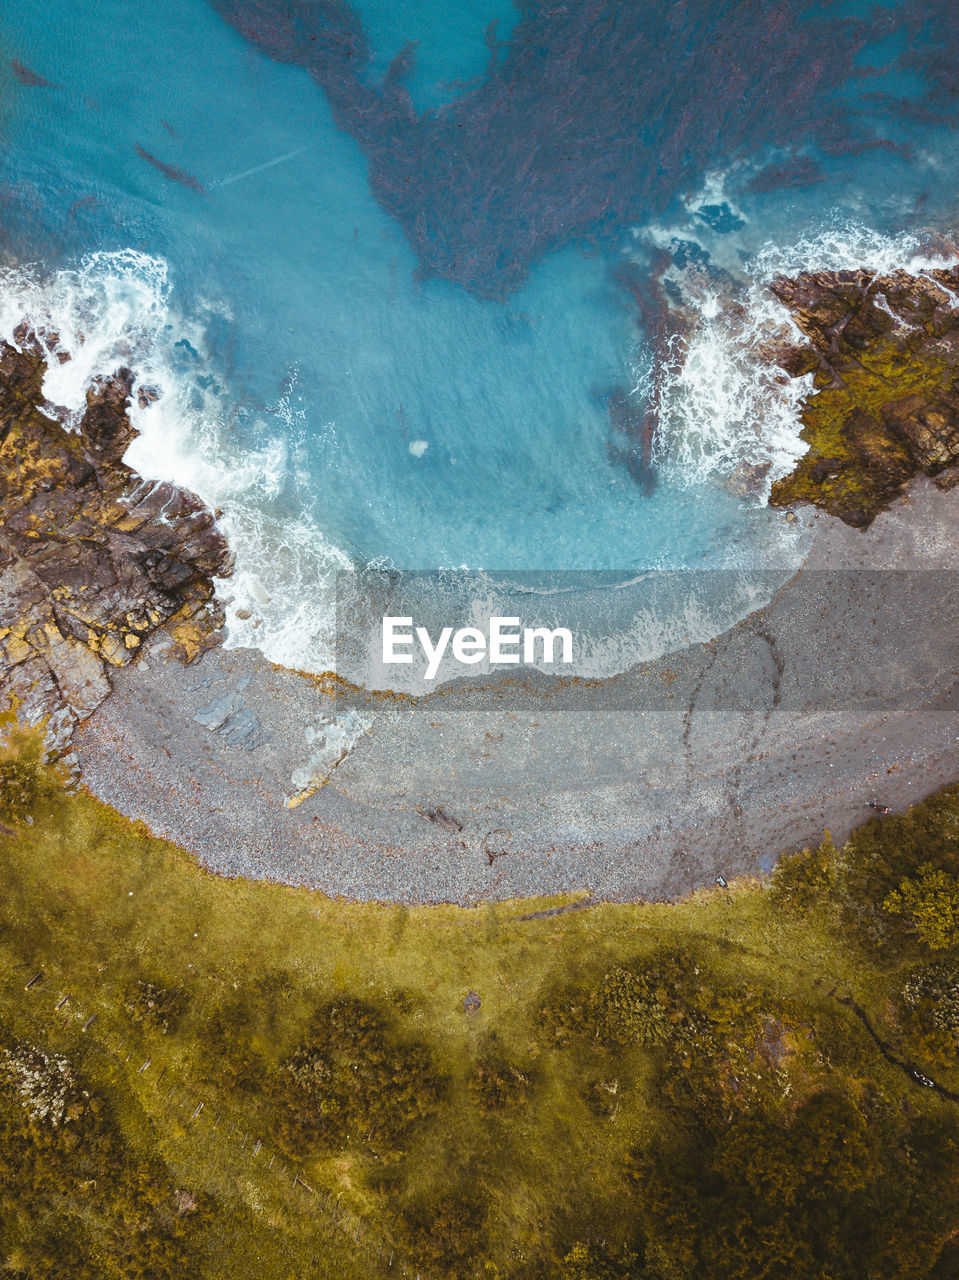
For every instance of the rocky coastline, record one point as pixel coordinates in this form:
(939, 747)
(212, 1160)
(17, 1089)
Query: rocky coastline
(883, 351)
(705, 764)
(93, 559)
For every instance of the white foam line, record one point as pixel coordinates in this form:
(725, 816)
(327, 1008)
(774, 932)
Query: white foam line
(248, 173)
(114, 309)
(725, 408)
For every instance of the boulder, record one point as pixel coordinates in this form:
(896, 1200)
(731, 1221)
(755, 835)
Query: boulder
(93, 559)
(883, 352)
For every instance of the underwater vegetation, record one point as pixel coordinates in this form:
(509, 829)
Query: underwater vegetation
(594, 114)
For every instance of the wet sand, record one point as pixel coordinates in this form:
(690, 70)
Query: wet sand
(707, 762)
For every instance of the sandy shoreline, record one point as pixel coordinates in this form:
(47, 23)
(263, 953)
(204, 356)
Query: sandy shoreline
(707, 762)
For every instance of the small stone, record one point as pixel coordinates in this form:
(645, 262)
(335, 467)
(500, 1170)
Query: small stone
(441, 819)
(472, 1002)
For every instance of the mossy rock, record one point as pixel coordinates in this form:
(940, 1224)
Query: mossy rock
(91, 559)
(884, 355)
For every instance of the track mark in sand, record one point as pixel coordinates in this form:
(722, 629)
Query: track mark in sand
(753, 684)
(779, 666)
(694, 698)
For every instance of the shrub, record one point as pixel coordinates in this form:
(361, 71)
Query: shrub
(153, 1005)
(930, 1005)
(884, 853)
(641, 1004)
(75, 1187)
(25, 779)
(590, 1261)
(496, 1084)
(634, 1008)
(228, 1058)
(566, 1016)
(930, 905)
(803, 880)
(444, 1231)
(355, 1079)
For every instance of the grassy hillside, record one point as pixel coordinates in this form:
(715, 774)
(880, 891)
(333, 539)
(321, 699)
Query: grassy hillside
(281, 1086)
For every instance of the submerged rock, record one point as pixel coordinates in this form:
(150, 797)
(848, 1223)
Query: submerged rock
(884, 354)
(331, 742)
(233, 720)
(92, 558)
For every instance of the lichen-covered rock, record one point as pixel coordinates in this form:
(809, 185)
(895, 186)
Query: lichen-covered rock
(92, 558)
(884, 354)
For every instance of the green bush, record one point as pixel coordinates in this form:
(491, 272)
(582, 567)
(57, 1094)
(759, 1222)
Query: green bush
(805, 880)
(354, 1079)
(227, 1060)
(929, 903)
(641, 1005)
(840, 1188)
(496, 1084)
(929, 1010)
(634, 1008)
(77, 1192)
(25, 780)
(591, 1261)
(444, 1231)
(153, 1005)
(883, 854)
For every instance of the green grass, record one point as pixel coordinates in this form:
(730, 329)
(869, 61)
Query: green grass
(468, 1189)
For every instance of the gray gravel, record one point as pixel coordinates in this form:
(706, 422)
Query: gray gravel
(707, 762)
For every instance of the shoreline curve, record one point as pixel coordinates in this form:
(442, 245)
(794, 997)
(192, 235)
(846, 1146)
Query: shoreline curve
(708, 762)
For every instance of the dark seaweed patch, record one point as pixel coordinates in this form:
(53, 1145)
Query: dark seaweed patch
(596, 112)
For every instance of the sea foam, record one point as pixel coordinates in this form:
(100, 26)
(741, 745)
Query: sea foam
(723, 407)
(115, 309)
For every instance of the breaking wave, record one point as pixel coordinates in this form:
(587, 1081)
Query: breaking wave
(115, 309)
(725, 409)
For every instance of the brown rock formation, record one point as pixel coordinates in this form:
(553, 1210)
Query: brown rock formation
(884, 352)
(92, 558)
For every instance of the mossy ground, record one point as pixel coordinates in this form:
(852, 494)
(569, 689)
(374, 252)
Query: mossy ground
(522, 1138)
(854, 463)
(883, 351)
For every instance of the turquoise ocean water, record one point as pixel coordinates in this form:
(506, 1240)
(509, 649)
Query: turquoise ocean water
(177, 198)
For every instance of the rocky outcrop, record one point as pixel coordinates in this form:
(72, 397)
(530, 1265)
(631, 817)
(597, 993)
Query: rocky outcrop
(884, 354)
(93, 560)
